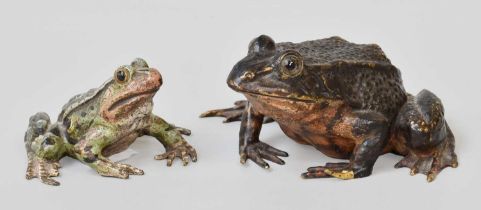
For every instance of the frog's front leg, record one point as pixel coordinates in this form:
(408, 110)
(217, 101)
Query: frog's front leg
(369, 130)
(250, 147)
(232, 114)
(89, 151)
(171, 137)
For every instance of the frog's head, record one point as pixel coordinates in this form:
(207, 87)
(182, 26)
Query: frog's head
(131, 89)
(48, 146)
(269, 71)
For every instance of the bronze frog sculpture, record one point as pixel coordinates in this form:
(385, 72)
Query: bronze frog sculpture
(102, 122)
(345, 99)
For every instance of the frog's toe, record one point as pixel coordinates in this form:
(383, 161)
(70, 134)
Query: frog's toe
(259, 152)
(182, 150)
(49, 181)
(338, 170)
(183, 131)
(430, 165)
(108, 168)
(43, 169)
(130, 169)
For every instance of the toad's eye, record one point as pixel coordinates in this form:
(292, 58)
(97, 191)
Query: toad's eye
(291, 65)
(121, 75)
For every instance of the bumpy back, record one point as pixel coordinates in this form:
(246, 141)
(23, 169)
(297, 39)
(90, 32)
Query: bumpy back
(360, 74)
(80, 99)
(323, 51)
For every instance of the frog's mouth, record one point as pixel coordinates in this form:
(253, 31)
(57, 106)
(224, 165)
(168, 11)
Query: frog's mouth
(131, 99)
(291, 97)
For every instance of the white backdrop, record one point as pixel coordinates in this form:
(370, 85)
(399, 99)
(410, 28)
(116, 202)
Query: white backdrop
(52, 50)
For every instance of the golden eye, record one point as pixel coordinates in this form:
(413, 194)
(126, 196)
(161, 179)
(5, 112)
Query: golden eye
(291, 65)
(121, 75)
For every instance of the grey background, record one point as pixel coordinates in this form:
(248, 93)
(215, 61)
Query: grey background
(52, 50)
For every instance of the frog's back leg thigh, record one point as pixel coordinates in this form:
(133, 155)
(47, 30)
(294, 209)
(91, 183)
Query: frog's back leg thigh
(422, 134)
(369, 130)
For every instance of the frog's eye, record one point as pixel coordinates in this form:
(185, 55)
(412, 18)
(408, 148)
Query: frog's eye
(291, 64)
(121, 75)
(49, 141)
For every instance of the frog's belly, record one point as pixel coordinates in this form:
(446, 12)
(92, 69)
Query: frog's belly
(308, 122)
(120, 145)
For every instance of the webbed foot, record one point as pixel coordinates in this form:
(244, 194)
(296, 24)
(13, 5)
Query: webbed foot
(106, 167)
(424, 136)
(430, 164)
(232, 114)
(43, 169)
(181, 150)
(259, 151)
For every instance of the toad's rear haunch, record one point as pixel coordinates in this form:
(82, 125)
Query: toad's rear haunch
(102, 122)
(345, 99)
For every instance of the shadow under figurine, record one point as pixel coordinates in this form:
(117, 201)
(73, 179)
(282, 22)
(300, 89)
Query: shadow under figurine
(102, 122)
(345, 99)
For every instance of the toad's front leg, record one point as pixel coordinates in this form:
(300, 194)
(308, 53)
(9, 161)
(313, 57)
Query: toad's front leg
(250, 147)
(232, 114)
(369, 130)
(171, 137)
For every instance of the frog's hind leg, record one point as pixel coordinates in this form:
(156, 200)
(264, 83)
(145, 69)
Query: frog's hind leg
(43, 150)
(43, 169)
(421, 133)
(369, 130)
(232, 114)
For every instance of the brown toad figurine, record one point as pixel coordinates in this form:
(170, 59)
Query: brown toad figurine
(345, 99)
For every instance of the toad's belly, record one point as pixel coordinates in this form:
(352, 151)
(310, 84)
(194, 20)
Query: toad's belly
(308, 122)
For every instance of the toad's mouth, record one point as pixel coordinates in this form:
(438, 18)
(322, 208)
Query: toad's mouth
(291, 97)
(273, 93)
(130, 100)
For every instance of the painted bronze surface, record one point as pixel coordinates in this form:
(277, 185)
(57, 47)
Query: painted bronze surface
(347, 100)
(102, 122)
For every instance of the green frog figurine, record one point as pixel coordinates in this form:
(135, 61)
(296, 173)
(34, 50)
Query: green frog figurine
(102, 122)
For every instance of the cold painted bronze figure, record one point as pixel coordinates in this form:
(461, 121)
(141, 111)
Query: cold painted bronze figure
(102, 122)
(345, 99)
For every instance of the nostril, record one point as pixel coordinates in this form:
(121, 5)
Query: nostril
(248, 75)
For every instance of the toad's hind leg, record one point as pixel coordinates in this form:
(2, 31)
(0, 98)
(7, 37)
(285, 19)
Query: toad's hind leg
(421, 134)
(232, 114)
(369, 130)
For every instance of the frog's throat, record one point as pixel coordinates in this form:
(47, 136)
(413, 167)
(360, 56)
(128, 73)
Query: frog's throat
(125, 103)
